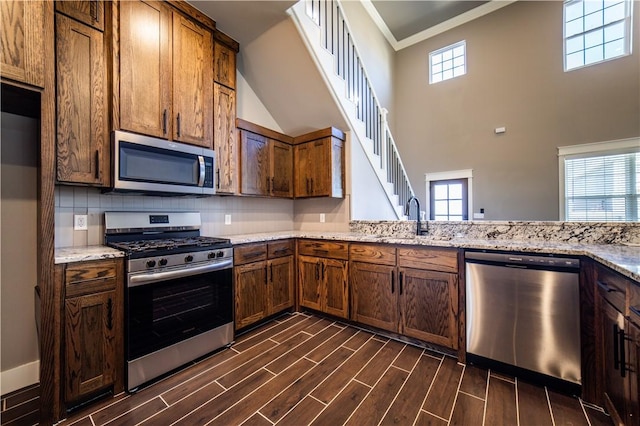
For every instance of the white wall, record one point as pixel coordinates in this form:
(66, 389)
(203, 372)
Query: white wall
(19, 358)
(250, 108)
(376, 53)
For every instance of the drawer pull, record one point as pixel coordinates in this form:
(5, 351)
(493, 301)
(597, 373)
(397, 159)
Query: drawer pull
(606, 287)
(634, 310)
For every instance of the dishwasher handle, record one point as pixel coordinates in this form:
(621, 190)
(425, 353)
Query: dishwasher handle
(522, 260)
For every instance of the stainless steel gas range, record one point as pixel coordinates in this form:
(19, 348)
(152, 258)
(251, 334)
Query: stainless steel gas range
(179, 291)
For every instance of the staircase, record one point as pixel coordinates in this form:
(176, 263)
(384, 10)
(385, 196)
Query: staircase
(326, 33)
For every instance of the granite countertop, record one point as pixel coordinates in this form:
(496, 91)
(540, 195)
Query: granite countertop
(622, 258)
(85, 253)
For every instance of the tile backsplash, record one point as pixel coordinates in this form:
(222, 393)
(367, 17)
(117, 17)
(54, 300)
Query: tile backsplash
(248, 214)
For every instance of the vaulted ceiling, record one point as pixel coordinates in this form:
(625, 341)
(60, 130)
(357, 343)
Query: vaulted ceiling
(403, 22)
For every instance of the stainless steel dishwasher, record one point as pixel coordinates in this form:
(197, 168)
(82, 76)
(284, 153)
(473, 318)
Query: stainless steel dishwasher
(523, 314)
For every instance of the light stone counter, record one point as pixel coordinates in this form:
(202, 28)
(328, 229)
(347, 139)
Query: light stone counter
(619, 257)
(81, 254)
(624, 258)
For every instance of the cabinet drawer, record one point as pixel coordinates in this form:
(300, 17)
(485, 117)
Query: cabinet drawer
(634, 302)
(281, 249)
(332, 249)
(249, 253)
(428, 258)
(612, 287)
(89, 277)
(373, 253)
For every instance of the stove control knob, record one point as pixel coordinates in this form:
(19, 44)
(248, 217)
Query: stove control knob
(220, 254)
(211, 255)
(151, 263)
(188, 259)
(163, 262)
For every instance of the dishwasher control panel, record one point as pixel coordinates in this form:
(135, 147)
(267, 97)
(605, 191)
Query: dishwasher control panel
(523, 259)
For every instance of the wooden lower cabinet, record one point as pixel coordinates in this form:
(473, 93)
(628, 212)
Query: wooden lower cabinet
(429, 306)
(263, 281)
(373, 295)
(93, 329)
(415, 302)
(251, 293)
(90, 344)
(323, 285)
(633, 406)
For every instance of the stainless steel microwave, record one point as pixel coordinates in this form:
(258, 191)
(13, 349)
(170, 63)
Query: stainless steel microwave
(150, 165)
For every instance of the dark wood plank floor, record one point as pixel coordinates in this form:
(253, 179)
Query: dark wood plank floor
(301, 369)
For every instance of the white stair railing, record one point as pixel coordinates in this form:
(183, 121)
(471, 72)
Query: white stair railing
(336, 38)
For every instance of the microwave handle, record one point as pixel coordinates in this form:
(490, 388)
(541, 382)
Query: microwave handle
(202, 170)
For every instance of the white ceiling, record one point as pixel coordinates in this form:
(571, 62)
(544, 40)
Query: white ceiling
(403, 22)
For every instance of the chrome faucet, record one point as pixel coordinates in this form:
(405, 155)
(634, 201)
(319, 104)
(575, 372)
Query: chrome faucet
(407, 209)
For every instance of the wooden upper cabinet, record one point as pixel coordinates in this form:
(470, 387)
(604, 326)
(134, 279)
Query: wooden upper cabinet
(266, 161)
(254, 157)
(319, 164)
(166, 80)
(224, 65)
(281, 155)
(145, 68)
(192, 82)
(90, 12)
(81, 80)
(225, 139)
(22, 35)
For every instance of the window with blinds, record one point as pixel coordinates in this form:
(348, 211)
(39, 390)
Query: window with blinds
(602, 186)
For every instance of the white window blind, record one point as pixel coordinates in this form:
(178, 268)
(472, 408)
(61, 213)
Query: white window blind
(602, 187)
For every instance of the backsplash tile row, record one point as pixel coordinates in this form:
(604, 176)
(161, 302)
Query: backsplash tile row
(248, 214)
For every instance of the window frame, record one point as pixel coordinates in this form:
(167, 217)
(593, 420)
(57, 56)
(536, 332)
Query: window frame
(441, 50)
(596, 149)
(450, 175)
(627, 39)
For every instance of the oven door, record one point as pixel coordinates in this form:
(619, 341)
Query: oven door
(163, 312)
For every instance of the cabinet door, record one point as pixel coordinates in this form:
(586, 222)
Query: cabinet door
(611, 324)
(633, 371)
(281, 169)
(303, 172)
(224, 66)
(224, 139)
(374, 299)
(280, 296)
(320, 170)
(82, 133)
(145, 68)
(251, 293)
(90, 12)
(192, 82)
(22, 35)
(89, 344)
(336, 291)
(310, 282)
(254, 164)
(429, 306)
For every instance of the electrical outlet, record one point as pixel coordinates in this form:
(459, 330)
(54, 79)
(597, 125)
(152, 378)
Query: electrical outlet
(80, 222)
(322, 217)
(227, 219)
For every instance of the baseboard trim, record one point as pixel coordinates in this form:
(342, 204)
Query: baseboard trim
(19, 377)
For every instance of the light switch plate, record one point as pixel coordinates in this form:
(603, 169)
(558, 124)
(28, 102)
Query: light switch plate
(227, 219)
(322, 218)
(80, 222)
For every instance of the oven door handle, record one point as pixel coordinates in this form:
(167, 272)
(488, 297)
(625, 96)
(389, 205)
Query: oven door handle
(154, 277)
